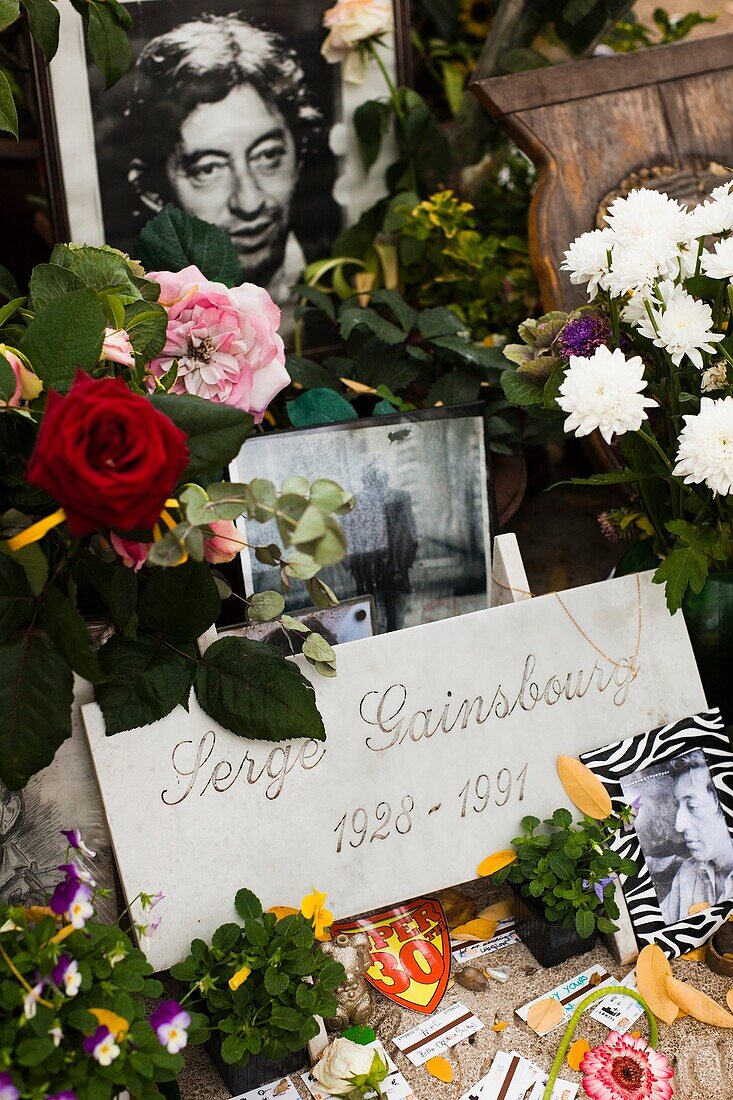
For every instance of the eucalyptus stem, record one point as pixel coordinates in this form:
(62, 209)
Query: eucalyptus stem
(399, 113)
(596, 995)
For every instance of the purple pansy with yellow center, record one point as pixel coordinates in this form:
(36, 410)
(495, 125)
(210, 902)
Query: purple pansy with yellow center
(170, 1023)
(74, 838)
(79, 873)
(8, 1091)
(102, 1046)
(66, 975)
(599, 885)
(72, 900)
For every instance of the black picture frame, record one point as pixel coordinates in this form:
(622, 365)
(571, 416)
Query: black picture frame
(623, 767)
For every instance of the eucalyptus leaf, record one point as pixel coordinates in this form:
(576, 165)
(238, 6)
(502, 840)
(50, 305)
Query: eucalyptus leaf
(265, 606)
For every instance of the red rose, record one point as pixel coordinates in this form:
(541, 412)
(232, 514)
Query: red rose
(107, 456)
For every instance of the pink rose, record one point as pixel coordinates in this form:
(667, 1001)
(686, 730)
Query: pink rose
(133, 554)
(226, 543)
(117, 348)
(27, 385)
(350, 23)
(225, 340)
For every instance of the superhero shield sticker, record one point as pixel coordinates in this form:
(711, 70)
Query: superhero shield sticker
(410, 949)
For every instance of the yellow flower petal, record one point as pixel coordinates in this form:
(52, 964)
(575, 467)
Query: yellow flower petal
(118, 1025)
(237, 979)
(311, 903)
(61, 936)
(440, 1068)
(281, 911)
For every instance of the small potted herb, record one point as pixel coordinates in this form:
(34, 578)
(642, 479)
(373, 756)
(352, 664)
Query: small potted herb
(563, 879)
(261, 983)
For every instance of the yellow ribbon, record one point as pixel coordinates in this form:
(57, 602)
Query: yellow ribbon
(37, 530)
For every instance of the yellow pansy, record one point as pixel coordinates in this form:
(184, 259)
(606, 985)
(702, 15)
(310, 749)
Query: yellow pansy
(312, 909)
(237, 979)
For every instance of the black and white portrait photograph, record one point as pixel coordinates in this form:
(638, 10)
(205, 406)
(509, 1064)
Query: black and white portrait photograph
(683, 834)
(679, 781)
(229, 112)
(418, 538)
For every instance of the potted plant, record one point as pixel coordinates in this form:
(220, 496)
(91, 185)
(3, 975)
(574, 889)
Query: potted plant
(261, 983)
(76, 1019)
(563, 880)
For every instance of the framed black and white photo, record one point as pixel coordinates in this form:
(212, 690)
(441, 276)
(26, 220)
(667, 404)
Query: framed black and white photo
(228, 111)
(350, 621)
(679, 780)
(419, 536)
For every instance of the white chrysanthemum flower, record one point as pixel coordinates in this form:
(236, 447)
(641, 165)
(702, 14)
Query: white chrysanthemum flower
(719, 264)
(638, 265)
(705, 453)
(587, 259)
(683, 328)
(714, 378)
(635, 311)
(604, 392)
(646, 213)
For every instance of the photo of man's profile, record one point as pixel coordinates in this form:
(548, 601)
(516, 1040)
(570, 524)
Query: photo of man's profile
(224, 113)
(683, 833)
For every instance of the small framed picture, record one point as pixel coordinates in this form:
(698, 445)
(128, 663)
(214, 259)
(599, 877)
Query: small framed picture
(419, 537)
(228, 111)
(679, 780)
(349, 622)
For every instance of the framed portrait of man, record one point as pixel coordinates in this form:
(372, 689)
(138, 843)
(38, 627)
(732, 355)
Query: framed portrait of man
(678, 781)
(228, 111)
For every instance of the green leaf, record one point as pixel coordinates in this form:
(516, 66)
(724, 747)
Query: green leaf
(16, 597)
(362, 317)
(396, 304)
(173, 240)
(275, 982)
(117, 587)
(576, 10)
(145, 681)
(562, 818)
(146, 324)
(8, 380)
(34, 564)
(247, 904)
(108, 42)
(215, 433)
(252, 690)
(476, 354)
(32, 1052)
(43, 19)
(585, 923)
(179, 603)
(35, 707)
(439, 321)
(99, 269)
(64, 337)
(68, 632)
(234, 1050)
(454, 388)
(611, 477)
(8, 110)
(371, 120)
(518, 391)
(51, 281)
(319, 406)
(9, 12)
(311, 375)
(682, 568)
(702, 286)
(225, 937)
(287, 1019)
(317, 648)
(10, 308)
(265, 606)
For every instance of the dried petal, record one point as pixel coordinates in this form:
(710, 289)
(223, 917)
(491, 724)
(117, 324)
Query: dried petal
(500, 910)
(652, 971)
(545, 1015)
(577, 1053)
(440, 1068)
(583, 788)
(495, 862)
(475, 930)
(697, 1004)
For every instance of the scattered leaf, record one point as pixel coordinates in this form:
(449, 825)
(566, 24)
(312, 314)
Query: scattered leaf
(729, 999)
(698, 907)
(500, 910)
(282, 1087)
(458, 907)
(577, 1053)
(652, 971)
(545, 1015)
(440, 1068)
(695, 956)
(499, 1025)
(118, 1025)
(697, 1004)
(583, 788)
(476, 930)
(360, 1034)
(495, 862)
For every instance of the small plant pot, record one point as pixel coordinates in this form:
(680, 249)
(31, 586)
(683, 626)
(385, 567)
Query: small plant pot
(551, 944)
(256, 1071)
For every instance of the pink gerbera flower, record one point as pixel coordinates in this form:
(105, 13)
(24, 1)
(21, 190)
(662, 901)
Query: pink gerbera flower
(625, 1068)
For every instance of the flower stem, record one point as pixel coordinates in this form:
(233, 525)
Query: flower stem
(399, 113)
(575, 1019)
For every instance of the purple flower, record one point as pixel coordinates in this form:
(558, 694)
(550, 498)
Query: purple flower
(74, 838)
(71, 899)
(101, 1046)
(72, 871)
(68, 1095)
(633, 814)
(31, 999)
(598, 886)
(8, 1090)
(169, 1022)
(582, 335)
(66, 975)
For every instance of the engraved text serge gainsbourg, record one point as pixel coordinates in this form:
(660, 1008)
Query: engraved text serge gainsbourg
(389, 712)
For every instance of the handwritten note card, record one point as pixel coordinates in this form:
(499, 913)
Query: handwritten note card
(439, 739)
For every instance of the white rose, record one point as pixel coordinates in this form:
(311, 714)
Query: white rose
(349, 23)
(340, 1064)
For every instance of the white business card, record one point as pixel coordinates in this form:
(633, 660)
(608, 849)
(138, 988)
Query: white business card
(442, 1030)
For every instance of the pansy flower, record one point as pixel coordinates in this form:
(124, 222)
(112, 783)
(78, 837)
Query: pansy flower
(312, 909)
(102, 1046)
(599, 885)
(8, 1090)
(66, 975)
(71, 899)
(170, 1023)
(56, 1034)
(71, 870)
(74, 838)
(31, 999)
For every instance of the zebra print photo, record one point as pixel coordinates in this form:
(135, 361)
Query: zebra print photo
(679, 779)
